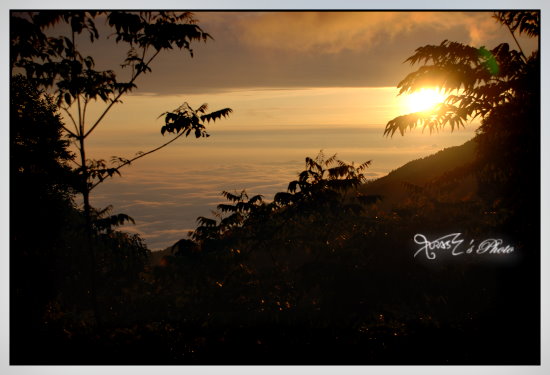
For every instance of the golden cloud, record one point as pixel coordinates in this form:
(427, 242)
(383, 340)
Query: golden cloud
(332, 32)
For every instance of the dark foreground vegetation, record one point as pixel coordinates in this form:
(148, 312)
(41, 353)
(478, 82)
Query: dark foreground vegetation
(324, 273)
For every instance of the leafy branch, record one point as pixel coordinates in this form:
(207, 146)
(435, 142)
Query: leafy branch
(182, 121)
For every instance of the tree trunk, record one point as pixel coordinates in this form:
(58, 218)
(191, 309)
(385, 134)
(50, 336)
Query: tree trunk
(88, 236)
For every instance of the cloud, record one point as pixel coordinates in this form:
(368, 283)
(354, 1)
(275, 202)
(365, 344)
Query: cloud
(300, 49)
(334, 32)
(166, 197)
(313, 31)
(313, 49)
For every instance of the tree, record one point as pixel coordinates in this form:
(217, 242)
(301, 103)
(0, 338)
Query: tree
(265, 250)
(500, 86)
(484, 80)
(41, 210)
(55, 63)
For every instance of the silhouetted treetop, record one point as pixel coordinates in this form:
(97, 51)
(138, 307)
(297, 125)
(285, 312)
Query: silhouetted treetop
(482, 79)
(56, 60)
(48, 48)
(527, 22)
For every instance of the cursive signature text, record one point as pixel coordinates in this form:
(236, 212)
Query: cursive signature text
(455, 245)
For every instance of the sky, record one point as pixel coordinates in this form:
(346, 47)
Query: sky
(247, 68)
(298, 83)
(309, 49)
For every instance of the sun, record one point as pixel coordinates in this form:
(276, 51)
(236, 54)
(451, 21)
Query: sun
(424, 99)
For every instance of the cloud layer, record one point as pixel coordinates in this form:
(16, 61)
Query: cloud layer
(303, 49)
(315, 49)
(167, 193)
(334, 32)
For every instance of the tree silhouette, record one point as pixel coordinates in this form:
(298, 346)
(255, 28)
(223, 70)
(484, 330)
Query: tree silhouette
(56, 63)
(500, 86)
(42, 188)
(320, 274)
(485, 80)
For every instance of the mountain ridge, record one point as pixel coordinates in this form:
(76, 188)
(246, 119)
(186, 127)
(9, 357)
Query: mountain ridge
(392, 187)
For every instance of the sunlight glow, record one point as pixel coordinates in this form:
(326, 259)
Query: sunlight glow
(424, 99)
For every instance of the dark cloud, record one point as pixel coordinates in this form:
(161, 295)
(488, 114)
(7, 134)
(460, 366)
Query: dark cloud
(305, 49)
(301, 49)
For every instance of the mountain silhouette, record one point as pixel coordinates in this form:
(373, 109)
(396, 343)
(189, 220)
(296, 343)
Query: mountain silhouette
(420, 172)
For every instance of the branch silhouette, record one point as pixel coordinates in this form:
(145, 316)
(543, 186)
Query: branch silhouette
(122, 92)
(130, 161)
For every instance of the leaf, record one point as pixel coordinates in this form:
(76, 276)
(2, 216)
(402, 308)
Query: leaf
(256, 198)
(283, 198)
(213, 116)
(226, 208)
(206, 222)
(293, 186)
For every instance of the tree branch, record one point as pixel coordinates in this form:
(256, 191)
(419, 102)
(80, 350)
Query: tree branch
(514, 36)
(72, 119)
(80, 121)
(68, 131)
(78, 165)
(84, 109)
(122, 92)
(140, 156)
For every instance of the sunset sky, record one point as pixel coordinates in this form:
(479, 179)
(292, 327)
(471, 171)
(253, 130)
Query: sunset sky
(298, 82)
(332, 284)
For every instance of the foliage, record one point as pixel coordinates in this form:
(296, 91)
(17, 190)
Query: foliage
(485, 80)
(319, 275)
(264, 251)
(500, 86)
(41, 181)
(186, 119)
(325, 190)
(323, 273)
(38, 152)
(48, 263)
(41, 209)
(56, 63)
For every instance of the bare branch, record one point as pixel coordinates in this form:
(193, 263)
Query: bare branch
(84, 109)
(68, 131)
(80, 121)
(78, 165)
(517, 43)
(66, 109)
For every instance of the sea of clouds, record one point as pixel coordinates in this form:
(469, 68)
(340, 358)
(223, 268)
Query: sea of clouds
(168, 191)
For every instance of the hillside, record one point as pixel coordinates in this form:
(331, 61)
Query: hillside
(421, 171)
